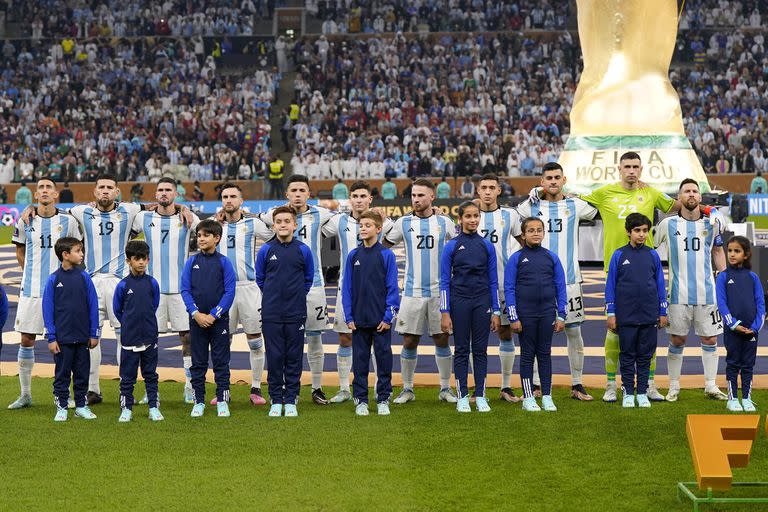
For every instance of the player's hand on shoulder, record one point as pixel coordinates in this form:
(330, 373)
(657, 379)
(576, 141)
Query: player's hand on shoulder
(27, 215)
(186, 214)
(533, 195)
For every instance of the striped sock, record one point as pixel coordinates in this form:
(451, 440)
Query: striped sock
(444, 359)
(344, 365)
(409, 357)
(507, 357)
(674, 366)
(709, 359)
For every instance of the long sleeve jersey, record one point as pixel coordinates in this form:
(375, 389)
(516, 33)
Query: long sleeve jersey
(468, 270)
(740, 298)
(534, 284)
(369, 291)
(285, 273)
(634, 289)
(208, 284)
(70, 307)
(135, 303)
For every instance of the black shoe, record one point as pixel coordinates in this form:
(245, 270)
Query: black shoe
(579, 393)
(319, 397)
(93, 398)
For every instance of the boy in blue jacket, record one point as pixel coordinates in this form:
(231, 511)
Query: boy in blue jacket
(71, 316)
(371, 300)
(284, 273)
(135, 303)
(208, 289)
(636, 305)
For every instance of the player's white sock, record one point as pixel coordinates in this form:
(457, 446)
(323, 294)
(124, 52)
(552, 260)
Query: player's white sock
(26, 358)
(257, 361)
(536, 381)
(444, 360)
(118, 348)
(709, 359)
(93, 377)
(315, 357)
(507, 356)
(575, 353)
(344, 365)
(408, 359)
(187, 372)
(674, 366)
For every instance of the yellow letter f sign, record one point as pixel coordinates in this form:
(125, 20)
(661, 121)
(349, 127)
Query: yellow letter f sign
(719, 442)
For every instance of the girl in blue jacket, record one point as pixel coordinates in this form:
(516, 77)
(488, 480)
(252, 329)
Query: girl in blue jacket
(742, 306)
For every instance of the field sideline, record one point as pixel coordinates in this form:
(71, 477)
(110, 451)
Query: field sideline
(425, 456)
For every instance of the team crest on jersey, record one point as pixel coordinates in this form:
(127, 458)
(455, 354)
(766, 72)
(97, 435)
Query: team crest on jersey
(704, 233)
(639, 199)
(59, 229)
(119, 216)
(244, 229)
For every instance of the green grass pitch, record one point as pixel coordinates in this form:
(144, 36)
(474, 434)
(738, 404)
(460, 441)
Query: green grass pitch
(425, 456)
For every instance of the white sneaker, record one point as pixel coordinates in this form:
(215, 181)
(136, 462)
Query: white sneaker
(21, 402)
(734, 406)
(276, 410)
(406, 395)
(748, 405)
(462, 405)
(361, 409)
(547, 404)
(529, 404)
(382, 408)
(482, 404)
(653, 393)
(610, 391)
(672, 395)
(222, 409)
(715, 394)
(291, 411)
(628, 401)
(446, 395)
(125, 416)
(61, 414)
(197, 410)
(85, 413)
(340, 397)
(643, 401)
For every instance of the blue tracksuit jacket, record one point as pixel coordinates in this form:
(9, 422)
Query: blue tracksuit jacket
(468, 270)
(208, 284)
(634, 288)
(284, 273)
(740, 298)
(135, 304)
(369, 292)
(534, 284)
(70, 307)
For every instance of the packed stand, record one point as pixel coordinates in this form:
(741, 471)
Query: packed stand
(103, 18)
(699, 14)
(443, 105)
(143, 108)
(724, 98)
(380, 16)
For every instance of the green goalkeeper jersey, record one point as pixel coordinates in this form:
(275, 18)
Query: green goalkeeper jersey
(615, 202)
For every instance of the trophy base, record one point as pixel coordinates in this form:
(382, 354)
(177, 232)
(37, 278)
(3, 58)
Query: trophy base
(591, 162)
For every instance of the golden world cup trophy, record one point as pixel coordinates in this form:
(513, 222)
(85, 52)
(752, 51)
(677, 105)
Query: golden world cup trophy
(624, 100)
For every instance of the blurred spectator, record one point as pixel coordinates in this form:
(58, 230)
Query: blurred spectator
(388, 189)
(443, 189)
(340, 190)
(758, 185)
(23, 195)
(65, 195)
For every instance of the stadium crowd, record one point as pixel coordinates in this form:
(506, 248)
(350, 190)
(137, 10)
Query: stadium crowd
(103, 18)
(380, 16)
(141, 108)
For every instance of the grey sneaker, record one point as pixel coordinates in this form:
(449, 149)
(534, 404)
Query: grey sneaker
(446, 395)
(340, 397)
(406, 395)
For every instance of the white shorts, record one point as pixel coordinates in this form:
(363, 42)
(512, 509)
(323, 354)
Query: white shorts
(105, 285)
(29, 316)
(339, 320)
(574, 309)
(172, 310)
(706, 320)
(503, 308)
(246, 309)
(417, 314)
(317, 310)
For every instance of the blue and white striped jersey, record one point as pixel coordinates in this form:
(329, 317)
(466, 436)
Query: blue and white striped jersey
(561, 227)
(500, 227)
(346, 230)
(238, 243)
(424, 241)
(168, 240)
(689, 252)
(39, 239)
(309, 231)
(105, 235)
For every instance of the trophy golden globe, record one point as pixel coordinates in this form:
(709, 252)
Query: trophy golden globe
(624, 100)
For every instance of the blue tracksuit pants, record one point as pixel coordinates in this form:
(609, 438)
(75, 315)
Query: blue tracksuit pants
(471, 328)
(285, 349)
(741, 353)
(73, 362)
(363, 339)
(214, 341)
(637, 344)
(536, 343)
(130, 361)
